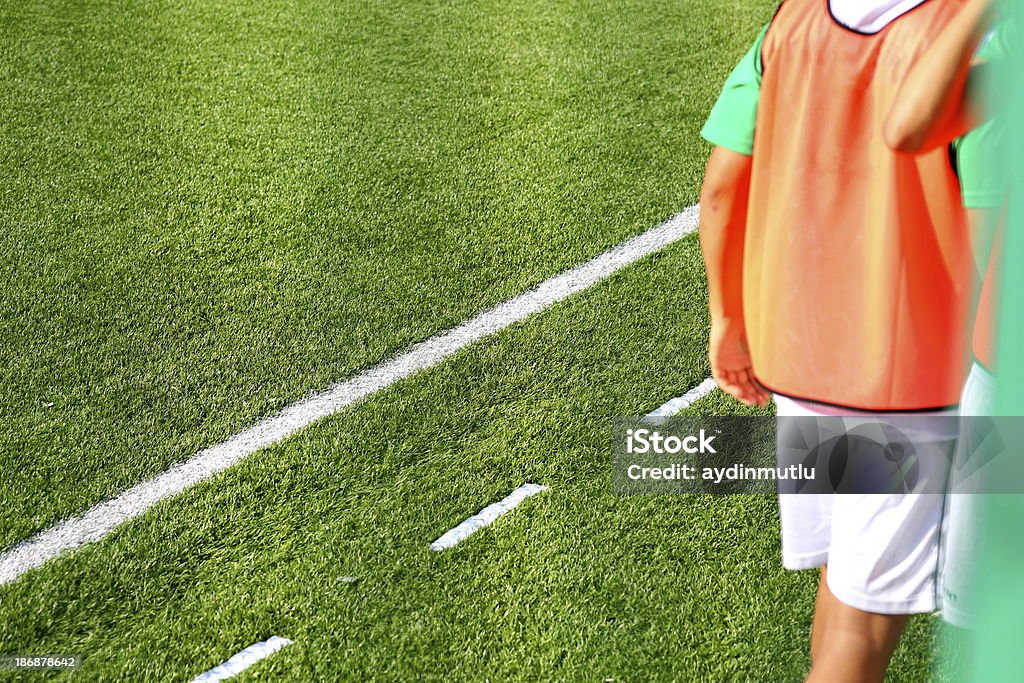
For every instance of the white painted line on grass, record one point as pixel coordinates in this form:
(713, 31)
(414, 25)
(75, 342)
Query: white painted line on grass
(486, 516)
(243, 660)
(101, 519)
(686, 400)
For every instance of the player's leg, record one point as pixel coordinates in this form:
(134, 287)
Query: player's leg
(882, 566)
(964, 507)
(881, 553)
(960, 579)
(806, 521)
(835, 623)
(856, 646)
(822, 614)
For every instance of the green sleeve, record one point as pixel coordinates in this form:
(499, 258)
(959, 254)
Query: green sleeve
(731, 123)
(983, 184)
(982, 181)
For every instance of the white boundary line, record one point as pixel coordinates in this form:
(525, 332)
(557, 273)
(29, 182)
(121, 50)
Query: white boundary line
(243, 660)
(99, 520)
(485, 517)
(686, 400)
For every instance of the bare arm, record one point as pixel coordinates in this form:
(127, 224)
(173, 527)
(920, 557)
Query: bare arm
(935, 103)
(723, 221)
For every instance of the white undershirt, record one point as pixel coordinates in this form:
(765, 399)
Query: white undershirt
(870, 16)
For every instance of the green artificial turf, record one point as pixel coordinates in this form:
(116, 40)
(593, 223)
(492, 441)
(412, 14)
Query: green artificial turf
(210, 209)
(576, 584)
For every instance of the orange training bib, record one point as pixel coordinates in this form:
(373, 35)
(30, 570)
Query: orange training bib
(857, 266)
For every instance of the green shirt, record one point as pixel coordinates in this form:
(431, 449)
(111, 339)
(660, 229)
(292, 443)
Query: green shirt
(982, 181)
(732, 120)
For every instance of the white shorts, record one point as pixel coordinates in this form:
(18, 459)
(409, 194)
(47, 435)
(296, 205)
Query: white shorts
(882, 551)
(965, 519)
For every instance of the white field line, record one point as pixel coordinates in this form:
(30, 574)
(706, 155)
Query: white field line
(99, 520)
(243, 660)
(486, 516)
(675, 405)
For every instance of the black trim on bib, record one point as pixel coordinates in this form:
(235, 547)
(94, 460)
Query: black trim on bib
(874, 411)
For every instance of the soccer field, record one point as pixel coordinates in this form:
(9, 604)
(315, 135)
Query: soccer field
(211, 210)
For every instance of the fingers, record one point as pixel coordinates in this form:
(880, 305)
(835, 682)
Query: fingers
(760, 395)
(741, 385)
(745, 390)
(730, 382)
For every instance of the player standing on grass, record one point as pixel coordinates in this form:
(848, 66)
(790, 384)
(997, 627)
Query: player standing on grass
(839, 277)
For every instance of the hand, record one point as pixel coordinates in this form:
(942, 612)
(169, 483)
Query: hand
(731, 365)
